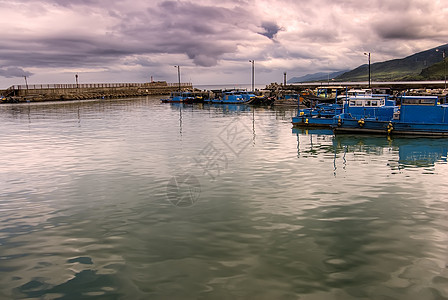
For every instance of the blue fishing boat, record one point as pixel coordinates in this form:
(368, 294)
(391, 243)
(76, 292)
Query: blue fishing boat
(360, 108)
(180, 97)
(319, 116)
(417, 115)
(355, 108)
(230, 97)
(324, 105)
(247, 96)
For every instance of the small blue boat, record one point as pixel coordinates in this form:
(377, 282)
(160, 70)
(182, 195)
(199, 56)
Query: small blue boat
(180, 97)
(417, 115)
(248, 96)
(230, 97)
(319, 116)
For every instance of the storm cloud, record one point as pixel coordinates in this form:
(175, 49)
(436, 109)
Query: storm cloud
(270, 29)
(13, 72)
(126, 40)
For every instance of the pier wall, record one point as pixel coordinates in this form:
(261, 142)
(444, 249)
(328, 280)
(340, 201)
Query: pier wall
(53, 92)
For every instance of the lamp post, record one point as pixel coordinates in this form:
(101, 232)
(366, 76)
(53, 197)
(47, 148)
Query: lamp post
(76, 78)
(368, 54)
(178, 75)
(253, 69)
(444, 64)
(26, 84)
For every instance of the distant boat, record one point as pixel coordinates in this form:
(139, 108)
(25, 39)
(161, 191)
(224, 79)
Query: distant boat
(323, 94)
(179, 97)
(184, 97)
(417, 115)
(230, 97)
(257, 99)
(290, 99)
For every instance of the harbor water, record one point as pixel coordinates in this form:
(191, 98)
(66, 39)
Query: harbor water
(137, 199)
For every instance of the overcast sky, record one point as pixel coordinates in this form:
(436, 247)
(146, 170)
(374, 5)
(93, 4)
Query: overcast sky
(131, 40)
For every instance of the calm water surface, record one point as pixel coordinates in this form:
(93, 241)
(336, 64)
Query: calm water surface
(134, 199)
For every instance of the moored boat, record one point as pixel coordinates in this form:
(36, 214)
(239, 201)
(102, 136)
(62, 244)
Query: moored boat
(355, 108)
(319, 116)
(180, 97)
(230, 97)
(324, 94)
(417, 115)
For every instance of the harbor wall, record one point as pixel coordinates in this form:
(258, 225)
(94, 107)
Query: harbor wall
(54, 92)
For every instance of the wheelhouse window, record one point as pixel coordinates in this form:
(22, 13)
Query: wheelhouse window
(419, 101)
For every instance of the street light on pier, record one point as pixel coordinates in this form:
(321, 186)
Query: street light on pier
(368, 54)
(26, 84)
(253, 69)
(444, 64)
(178, 75)
(76, 78)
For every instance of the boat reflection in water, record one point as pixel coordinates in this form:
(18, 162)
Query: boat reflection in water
(401, 152)
(412, 152)
(224, 108)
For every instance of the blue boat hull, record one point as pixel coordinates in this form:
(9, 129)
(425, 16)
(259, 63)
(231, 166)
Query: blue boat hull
(319, 116)
(391, 128)
(306, 121)
(216, 101)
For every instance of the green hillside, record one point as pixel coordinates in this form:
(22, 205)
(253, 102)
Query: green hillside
(408, 68)
(435, 72)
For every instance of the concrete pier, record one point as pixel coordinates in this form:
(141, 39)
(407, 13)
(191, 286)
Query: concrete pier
(54, 92)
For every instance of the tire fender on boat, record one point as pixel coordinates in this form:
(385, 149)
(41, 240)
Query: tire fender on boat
(390, 127)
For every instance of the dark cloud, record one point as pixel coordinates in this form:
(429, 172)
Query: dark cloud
(14, 72)
(62, 52)
(400, 29)
(270, 29)
(203, 33)
(140, 61)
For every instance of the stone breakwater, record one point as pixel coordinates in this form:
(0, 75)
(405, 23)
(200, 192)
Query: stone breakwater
(57, 92)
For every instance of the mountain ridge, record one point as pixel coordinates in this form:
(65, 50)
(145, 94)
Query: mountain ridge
(319, 76)
(423, 65)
